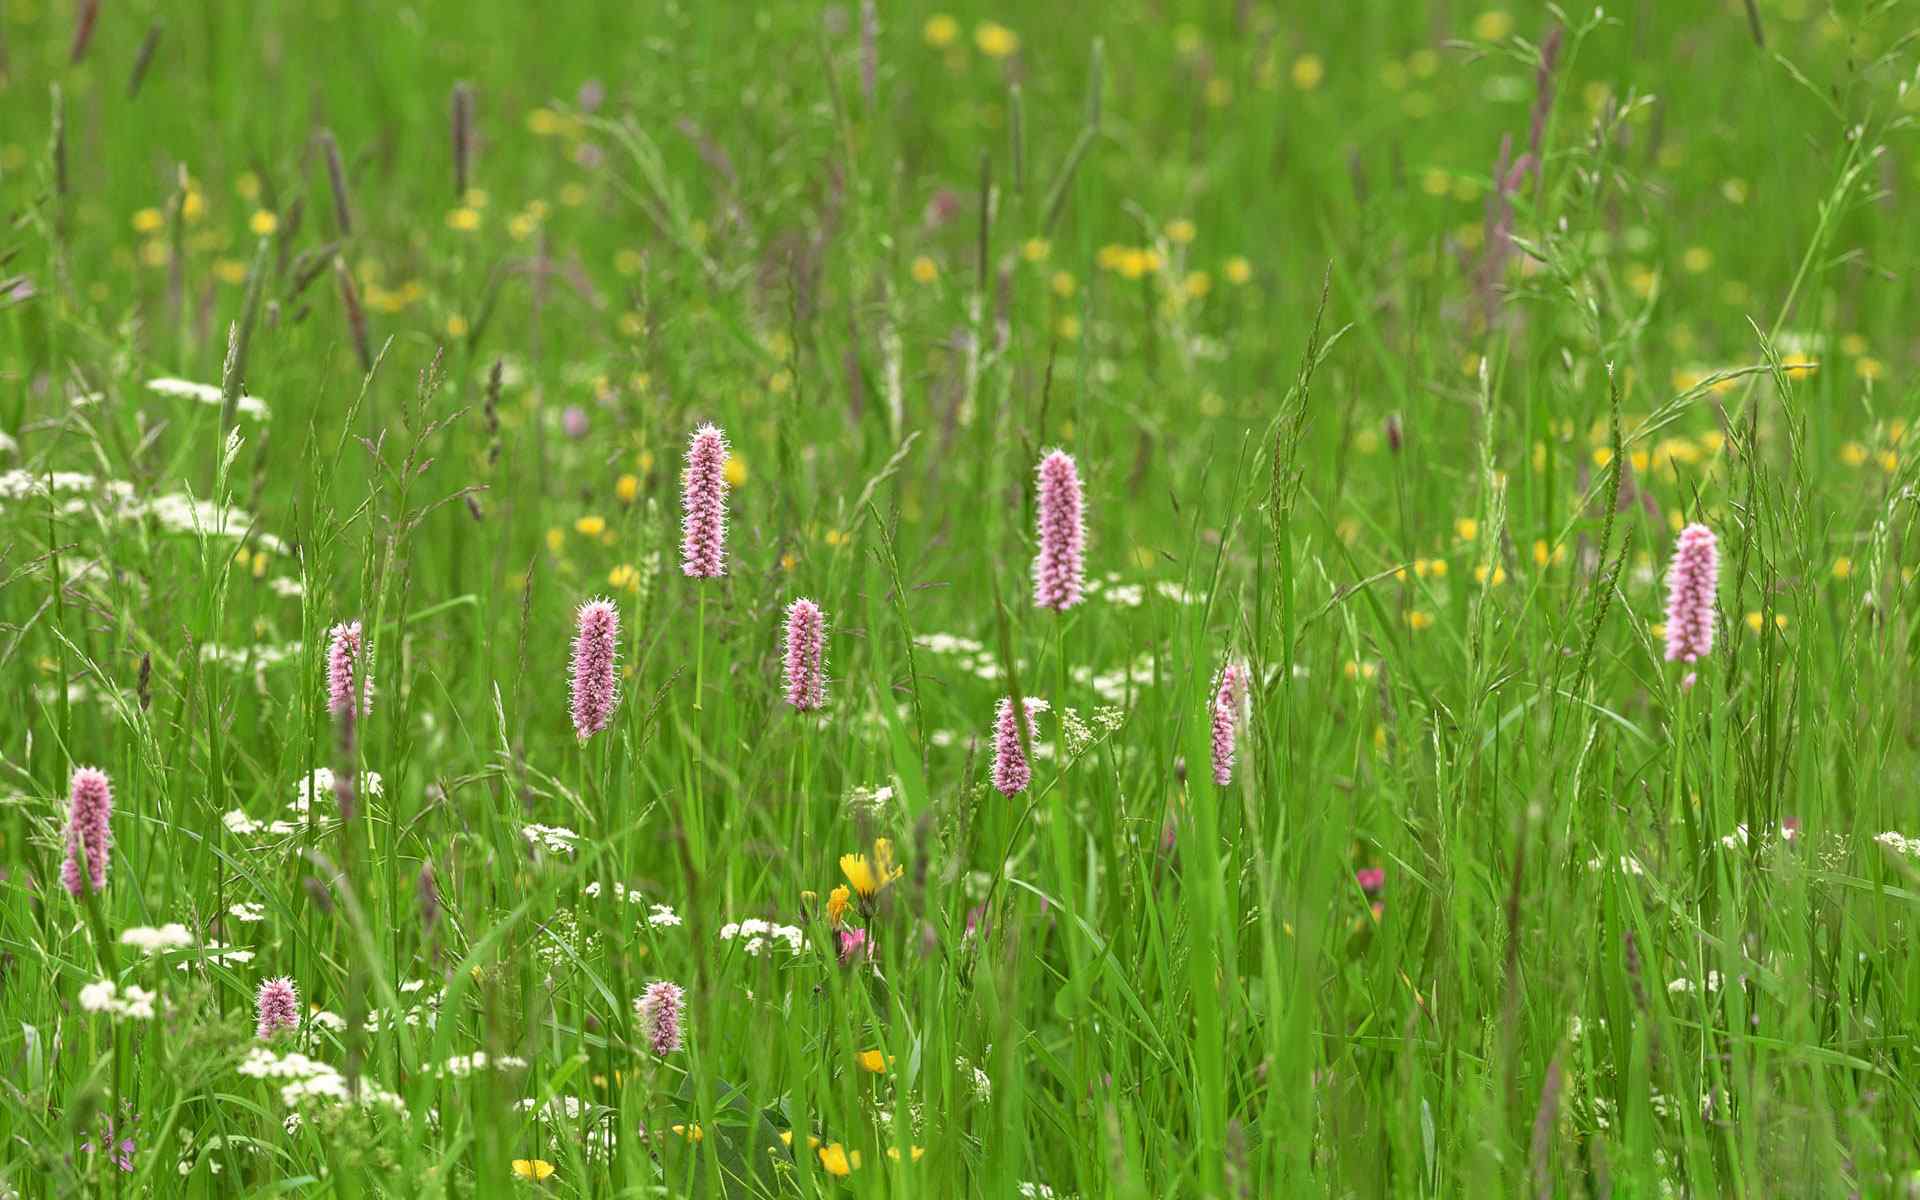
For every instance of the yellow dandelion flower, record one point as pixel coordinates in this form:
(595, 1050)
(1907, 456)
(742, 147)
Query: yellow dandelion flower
(1110, 256)
(556, 538)
(1843, 567)
(1036, 249)
(1697, 260)
(1466, 529)
(230, 270)
(532, 1168)
(148, 220)
(624, 576)
(1868, 368)
(789, 561)
(836, 1161)
(859, 873)
(925, 270)
(1889, 461)
(1198, 284)
(1853, 345)
(590, 526)
(837, 902)
(1498, 573)
(1853, 454)
(1437, 567)
(913, 1152)
(875, 1061)
(155, 253)
(1418, 620)
(627, 487)
(1237, 270)
(1067, 328)
(464, 219)
(995, 40)
(456, 325)
(1180, 231)
(696, 1134)
(940, 30)
(263, 223)
(736, 469)
(194, 205)
(1063, 284)
(1308, 72)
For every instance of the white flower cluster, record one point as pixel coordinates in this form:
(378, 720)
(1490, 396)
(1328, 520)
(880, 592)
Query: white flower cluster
(759, 934)
(134, 1003)
(309, 1080)
(658, 915)
(216, 954)
(462, 1065)
(1899, 843)
(555, 839)
(206, 393)
(171, 936)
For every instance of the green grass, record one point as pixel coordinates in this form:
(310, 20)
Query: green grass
(1241, 261)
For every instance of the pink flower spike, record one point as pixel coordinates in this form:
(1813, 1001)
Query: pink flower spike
(276, 1007)
(349, 688)
(659, 1009)
(703, 500)
(89, 832)
(1011, 772)
(806, 656)
(596, 693)
(1229, 714)
(1692, 584)
(1059, 574)
(854, 946)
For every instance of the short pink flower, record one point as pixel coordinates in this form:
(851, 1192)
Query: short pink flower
(806, 656)
(1692, 583)
(703, 501)
(89, 832)
(1059, 572)
(596, 692)
(660, 1008)
(349, 688)
(1229, 714)
(276, 1007)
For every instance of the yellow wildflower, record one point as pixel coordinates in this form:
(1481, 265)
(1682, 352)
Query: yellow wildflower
(940, 30)
(836, 1161)
(627, 487)
(837, 902)
(995, 40)
(874, 1060)
(590, 526)
(532, 1168)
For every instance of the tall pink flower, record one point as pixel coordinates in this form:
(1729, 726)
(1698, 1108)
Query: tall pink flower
(349, 688)
(659, 1009)
(89, 832)
(1229, 714)
(595, 690)
(703, 499)
(1059, 575)
(1011, 772)
(1692, 583)
(276, 1007)
(806, 655)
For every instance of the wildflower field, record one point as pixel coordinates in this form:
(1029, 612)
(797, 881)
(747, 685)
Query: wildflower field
(935, 599)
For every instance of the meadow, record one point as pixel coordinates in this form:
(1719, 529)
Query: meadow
(527, 533)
